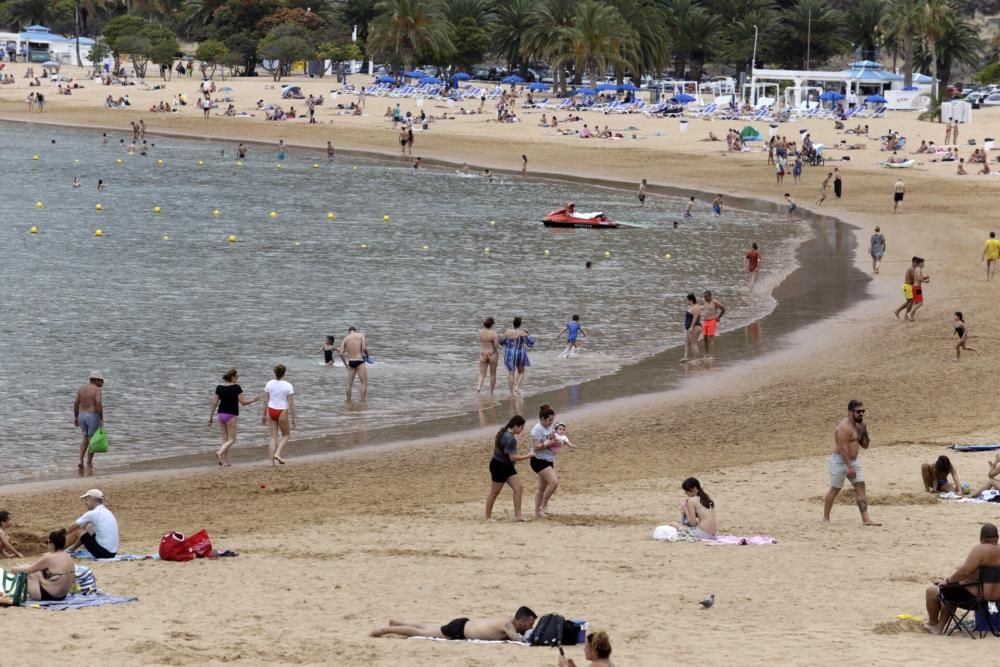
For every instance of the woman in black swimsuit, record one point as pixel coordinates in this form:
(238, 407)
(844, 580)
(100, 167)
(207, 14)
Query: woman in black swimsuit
(692, 329)
(962, 332)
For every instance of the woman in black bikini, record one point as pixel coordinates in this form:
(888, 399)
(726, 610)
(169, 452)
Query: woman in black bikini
(936, 476)
(692, 329)
(50, 577)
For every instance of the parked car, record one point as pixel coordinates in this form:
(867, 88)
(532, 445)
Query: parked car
(991, 100)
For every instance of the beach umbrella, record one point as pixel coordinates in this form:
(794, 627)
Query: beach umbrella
(385, 78)
(460, 76)
(415, 74)
(683, 98)
(538, 86)
(876, 99)
(601, 87)
(750, 133)
(584, 91)
(626, 88)
(831, 96)
(430, 80)
(911, 88)
(513, 78)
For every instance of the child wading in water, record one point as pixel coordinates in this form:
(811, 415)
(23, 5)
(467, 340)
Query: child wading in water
(962, 332)
(327, 350)
(573, 330)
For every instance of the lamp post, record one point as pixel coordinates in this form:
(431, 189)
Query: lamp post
(753, 67)
(809, 29)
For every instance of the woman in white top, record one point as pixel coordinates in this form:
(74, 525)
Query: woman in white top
(279, 412)
(543, 458)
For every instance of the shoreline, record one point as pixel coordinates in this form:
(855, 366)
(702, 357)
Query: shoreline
(651, 377)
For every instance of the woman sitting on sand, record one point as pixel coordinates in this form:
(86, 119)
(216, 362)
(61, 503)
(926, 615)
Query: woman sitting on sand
(597, 650)
(50, 577)
(991, 477)
(936, 476)
(697, 511)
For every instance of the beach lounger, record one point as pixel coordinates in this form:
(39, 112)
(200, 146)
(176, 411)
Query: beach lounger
(564, 104)
(706, 111)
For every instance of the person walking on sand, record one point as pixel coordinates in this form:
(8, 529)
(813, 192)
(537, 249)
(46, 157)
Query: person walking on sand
(502, 470)
(489, 350)
(823, 187)
(991, 253)
(516, 342)
(692, 329)
(752, 262)
(279, 412)
(907, 290)
(642, 193)
(544, 445)
(947, 134)
(353, 350)
(849, 437)
(962, 333)
(711, 313)
(838, 183)
(228, 398)
(898, 191)
(919, 278)
(88, 413)
(876, 248)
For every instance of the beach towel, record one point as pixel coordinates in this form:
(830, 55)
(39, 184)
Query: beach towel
(742, 540)
(473, 641)
(988, 496)
(79, 601)
(83, 554)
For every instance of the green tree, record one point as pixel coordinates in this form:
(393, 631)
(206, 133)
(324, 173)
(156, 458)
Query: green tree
(196, 15)
(513, 20)
(236, 24)
(138, 48)
(737, 42)
(696, 36)
(28, 12)
(311, 21)
(936, 14)
(406, 27)
(360, 13)
(98, 52)
(470, 42)
(163, 48)
(550, 36)
(601, 39)
(646, 22)
(82, 9)
(339, 52)
(285, 44)
(812, 33)
(863, 26)
(989, 74)
(211, 53)
(903, 23)
(957, 44)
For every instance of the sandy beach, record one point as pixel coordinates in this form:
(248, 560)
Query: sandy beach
(331, 547)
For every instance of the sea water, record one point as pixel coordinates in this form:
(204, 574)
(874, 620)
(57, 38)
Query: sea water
(162, 303)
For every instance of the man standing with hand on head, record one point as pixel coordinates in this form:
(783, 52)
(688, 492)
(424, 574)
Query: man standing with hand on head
(88, 413)
(850, 436)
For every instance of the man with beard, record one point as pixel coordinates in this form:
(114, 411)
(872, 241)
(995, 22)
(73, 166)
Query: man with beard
(850, 436)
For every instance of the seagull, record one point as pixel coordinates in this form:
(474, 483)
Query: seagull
(708, 602)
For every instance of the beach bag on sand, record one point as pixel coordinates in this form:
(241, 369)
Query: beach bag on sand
(173, 546)
(548, 631)
(98, 442)
(86, 582)
(14, 587)
(200, 544)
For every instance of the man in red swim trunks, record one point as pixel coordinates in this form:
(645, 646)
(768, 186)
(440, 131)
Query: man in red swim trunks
(711, 313)
(919, 278)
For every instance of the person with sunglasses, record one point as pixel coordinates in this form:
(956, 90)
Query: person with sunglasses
(850, 437)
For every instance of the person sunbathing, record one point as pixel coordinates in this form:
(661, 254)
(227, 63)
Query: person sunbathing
(697, 511)
(962, 587)
(490, 629)
(597, 650)
(936, 476)
(50, 577)
(991, 477)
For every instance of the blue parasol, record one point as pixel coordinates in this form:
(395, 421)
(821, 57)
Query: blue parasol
(513, 78)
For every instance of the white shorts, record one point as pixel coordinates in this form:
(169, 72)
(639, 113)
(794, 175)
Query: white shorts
(838, 471)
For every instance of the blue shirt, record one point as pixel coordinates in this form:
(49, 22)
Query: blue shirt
(508, 446)
(572, 331)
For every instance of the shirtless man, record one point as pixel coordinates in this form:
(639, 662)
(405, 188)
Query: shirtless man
(752, 263)
(355, 347)
(823, 187)
(490, 629)
(907, 290)
(489, 351)
(919, 278)
(962, 587)
(711, 313)
(850, 435)
(88, 413)
(898, 191)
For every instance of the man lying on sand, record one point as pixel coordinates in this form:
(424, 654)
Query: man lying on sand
(982, 564)
(496, 629)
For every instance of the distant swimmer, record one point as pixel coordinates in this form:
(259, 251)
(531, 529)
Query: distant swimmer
(279, 412)
(241, 152)
(849, 438)
(876, 249)
(76, 182)
(489, 350)
(143, 149)
(711, 313)
(898, 191)
(104, 139)
(692, 329)
(353, 350)
(328, 349)
(642, 193)
(281, 149)
(962, 333)
(416, 163)
(991, 253)
(101, 185)
(131, 148)
(791, 205)
(482, 629)
(329, 152)
(487, 174)
(752, 263)
(690, 206)
(228, 398)
(524, 165)
(573, 331)
(502, 470)
(88, 413)
(717, 206)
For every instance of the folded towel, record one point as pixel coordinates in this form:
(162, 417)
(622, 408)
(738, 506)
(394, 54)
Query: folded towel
(79, 601)
(743, 539)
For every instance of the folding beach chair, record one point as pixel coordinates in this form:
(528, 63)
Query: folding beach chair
(979, 606)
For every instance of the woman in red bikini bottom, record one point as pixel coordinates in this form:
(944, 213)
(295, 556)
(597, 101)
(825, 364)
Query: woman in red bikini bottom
(279, 413)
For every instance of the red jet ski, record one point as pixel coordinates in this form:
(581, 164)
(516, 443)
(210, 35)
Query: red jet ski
(568, 217)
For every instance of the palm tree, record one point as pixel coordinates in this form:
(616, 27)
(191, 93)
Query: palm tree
(550, 35)
(81, 9)
(903, 22)
(740, 17)
(814, 31)
(196, 13)
(601, 38)
(936, 13)
(408, 27)
(695, 36)
(647, 22)
(864, 27)
(513, 19)
(957, 43)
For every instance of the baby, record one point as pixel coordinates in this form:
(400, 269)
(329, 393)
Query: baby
(559, 435)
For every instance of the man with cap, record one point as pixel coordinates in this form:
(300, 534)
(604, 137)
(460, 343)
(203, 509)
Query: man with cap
(96, 530)
(88, 413)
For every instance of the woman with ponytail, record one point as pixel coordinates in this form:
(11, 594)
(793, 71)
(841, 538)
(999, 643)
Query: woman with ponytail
(502, 470)
(697, 511)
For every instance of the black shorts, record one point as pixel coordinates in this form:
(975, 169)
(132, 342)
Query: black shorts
(501, 471)
(642, 198)
(538, 465)
(957, 594)
(96, 550)
(46, 596)
(455, 629)
(898, 196)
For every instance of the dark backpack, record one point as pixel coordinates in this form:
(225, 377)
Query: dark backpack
(571, 633)
(548, 630)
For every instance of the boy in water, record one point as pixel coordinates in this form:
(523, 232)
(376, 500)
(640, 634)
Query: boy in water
(690, 205)
(572, 330)
(327, 350)
(791, 205)
(717, 206)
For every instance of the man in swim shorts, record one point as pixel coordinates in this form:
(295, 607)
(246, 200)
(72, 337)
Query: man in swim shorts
(850, 436)
(88, 413)
(711, 313)
(690, 205)
(355, 347)
(907, 290)
(919, 278)
(898, 190)
(991, 253)
(489, 629)
(717, 206)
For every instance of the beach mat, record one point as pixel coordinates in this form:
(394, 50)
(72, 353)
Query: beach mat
(974, 448)
(80, 601)
(83, 554)
(472, 641)
(742, 540)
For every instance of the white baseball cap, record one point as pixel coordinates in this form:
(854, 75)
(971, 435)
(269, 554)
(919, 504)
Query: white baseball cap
(94, 493)
(96, 375)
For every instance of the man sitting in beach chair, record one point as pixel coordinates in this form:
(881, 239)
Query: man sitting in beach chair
(488, 629)
(978, 579)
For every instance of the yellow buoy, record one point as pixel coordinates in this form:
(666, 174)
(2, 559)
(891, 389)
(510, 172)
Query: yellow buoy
(493, 223)
(98, 233)
(355, 168)
(274, 214)
(486, 250)
(279, 166)
(216, 213)
(385, 218)
(364, 246)
(667, 256)
(297, 243)
(426, 247)
(607, 253)
(35, 157)
(156, 209)
(330, 216)
(34, 230)
(546, 253)
(239, 164)
(201, 163)
(232, 238)
(39, 204)
(119, 161)
(315, 165)
(76, 161)
(159, 163)
(98, 207)
(166, 238)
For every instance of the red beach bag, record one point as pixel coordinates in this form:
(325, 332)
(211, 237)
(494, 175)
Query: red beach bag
(200, 544)
(173, 546)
